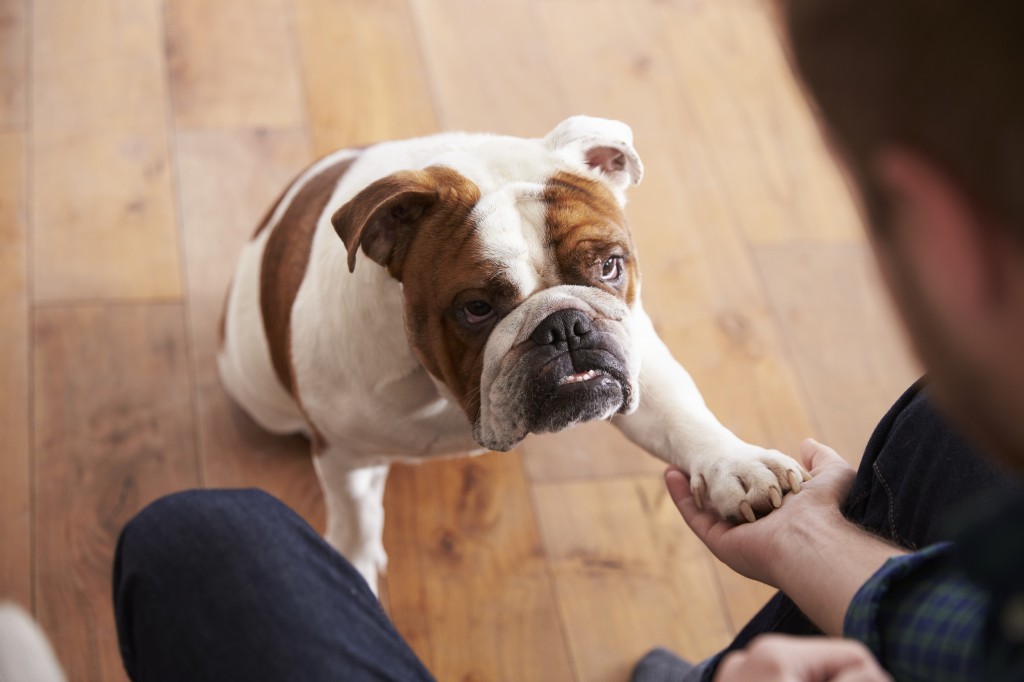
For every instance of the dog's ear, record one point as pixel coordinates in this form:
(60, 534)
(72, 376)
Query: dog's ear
(382, 217)
(601, 145)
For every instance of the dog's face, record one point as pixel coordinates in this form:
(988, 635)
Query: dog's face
(518, 274)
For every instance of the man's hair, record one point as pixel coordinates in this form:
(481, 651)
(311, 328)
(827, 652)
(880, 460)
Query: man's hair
(944, 78)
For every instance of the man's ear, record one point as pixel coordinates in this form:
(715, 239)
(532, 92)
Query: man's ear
(957, 254)
(600, 145)
(382, 217)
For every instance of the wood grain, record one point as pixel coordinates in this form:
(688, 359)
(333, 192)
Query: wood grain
(15, 464)
(480, 583)
(587, 451)
(845, 341)
(735, 83)
(13, 64)
(490, 67)
(364, 73)
(227, 181)
(114, 431)
(233, 64)
(631, 579)
(102, 206)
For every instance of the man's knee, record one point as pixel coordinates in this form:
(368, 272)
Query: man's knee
(194, 522)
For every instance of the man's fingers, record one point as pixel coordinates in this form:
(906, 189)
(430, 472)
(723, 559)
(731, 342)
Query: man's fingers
(678, 487)
(816, 455)
(699, 520)
(779, 658)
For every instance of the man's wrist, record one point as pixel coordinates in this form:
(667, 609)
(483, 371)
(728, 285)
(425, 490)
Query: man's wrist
(820, 560)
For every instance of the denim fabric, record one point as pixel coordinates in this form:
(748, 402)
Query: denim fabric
(916, 475)
(233, 585)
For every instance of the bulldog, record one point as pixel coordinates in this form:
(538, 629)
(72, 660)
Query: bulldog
(449, 293)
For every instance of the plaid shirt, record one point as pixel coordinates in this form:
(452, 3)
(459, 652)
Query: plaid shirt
(953, 611)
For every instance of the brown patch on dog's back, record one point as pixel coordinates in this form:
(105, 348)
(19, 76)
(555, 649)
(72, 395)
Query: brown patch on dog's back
(285, 259)
(585, 226)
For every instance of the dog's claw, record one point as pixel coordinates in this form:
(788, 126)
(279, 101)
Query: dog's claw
(747, 511)
(794, 481)
(775, 497)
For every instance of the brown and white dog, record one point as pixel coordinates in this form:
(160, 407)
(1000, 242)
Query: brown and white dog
(482, 288)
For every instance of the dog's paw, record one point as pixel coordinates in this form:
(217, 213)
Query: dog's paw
(744, 484)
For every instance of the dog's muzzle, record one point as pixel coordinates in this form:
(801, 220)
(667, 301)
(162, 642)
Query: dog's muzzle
(577, 375)
(563, 356)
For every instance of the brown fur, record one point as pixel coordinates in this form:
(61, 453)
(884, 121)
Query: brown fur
(285, 259)
(585, 227)
(417, 224)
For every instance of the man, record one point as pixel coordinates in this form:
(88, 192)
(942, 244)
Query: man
(922, 101)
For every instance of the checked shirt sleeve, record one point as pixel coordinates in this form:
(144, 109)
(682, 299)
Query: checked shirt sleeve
(922, 618)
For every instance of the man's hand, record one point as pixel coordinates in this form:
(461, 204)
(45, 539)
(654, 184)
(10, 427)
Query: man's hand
(776, 658)
(750, 548)
(805, 548)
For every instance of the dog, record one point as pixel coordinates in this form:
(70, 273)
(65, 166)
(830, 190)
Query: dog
(448, 293)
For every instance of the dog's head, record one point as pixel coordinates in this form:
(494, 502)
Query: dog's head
(518, 273)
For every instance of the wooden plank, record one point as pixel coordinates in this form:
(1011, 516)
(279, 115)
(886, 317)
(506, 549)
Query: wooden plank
(101, 201)
(97, 65)
(746, 107)
(594, 450)
(489, 66)
(233, 64)
(402, 587)
(15, 467)
(13, 64)
(629, 575)
(113, 431)
(364, 72)
(227, 180)
(480, 583)
(103, 216)
(845, 340)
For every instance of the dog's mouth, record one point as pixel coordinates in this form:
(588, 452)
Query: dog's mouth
(575, 387)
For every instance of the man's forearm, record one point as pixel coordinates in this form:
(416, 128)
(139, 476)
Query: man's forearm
(822, 562)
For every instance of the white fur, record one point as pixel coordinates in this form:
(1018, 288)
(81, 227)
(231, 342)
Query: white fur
(25, 653)
(362, 387)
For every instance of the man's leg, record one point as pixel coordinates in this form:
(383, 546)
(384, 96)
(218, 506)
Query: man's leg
(231, 584)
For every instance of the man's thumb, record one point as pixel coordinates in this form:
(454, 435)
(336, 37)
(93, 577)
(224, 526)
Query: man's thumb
(815, 454)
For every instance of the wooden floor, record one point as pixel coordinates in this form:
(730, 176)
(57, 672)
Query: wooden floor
(140, 140)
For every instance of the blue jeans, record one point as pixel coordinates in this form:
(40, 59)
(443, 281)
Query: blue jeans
(231, 584)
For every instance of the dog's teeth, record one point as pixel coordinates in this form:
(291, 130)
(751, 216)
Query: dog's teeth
(583, 376)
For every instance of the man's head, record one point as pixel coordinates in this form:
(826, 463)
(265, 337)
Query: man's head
(518, 273)
(923, 102)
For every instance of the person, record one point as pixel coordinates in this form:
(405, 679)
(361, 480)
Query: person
(922, 104)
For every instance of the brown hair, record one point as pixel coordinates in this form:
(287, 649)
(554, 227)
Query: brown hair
(942, 77)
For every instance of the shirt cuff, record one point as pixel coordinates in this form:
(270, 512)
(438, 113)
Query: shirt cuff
(862, 621)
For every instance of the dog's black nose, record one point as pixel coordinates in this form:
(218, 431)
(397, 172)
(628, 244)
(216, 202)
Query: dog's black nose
(566, 327)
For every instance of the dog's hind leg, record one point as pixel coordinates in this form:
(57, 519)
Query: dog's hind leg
(355, 511)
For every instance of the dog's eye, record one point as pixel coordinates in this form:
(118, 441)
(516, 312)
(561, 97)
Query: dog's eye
(612, 269)
(477, 311)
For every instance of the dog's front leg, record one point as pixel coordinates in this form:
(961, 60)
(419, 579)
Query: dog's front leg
(355, 511)
(672, 422)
